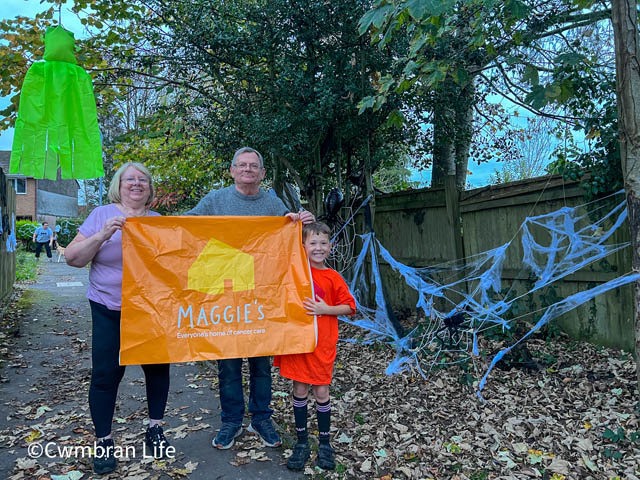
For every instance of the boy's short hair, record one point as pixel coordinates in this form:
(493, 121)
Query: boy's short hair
(317, 228)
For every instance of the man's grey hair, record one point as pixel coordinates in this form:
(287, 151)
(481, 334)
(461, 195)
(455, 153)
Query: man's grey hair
(242, 150)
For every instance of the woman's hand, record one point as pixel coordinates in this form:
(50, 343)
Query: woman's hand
(81, 250)
(111, 226)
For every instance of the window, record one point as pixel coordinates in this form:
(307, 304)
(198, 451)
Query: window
(19, 185)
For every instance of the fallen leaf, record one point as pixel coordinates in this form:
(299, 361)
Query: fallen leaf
(589, 464)
(34, 434)
(559, 466)
(72, 475)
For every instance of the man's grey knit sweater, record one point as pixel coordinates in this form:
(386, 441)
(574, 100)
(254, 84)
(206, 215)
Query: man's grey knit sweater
(228, 201)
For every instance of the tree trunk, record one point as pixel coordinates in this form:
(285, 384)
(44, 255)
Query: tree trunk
(452, 132)
(625, 33)
(464, 133)
(368, 178)
(278, 176)
(443, 135)
(317, 175)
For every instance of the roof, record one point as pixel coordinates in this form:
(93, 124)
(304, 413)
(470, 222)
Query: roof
(4, 160)
(5, 155)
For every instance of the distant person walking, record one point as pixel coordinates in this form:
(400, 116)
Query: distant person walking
(43, 237)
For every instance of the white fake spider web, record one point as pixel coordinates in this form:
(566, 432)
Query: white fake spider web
(462, 299)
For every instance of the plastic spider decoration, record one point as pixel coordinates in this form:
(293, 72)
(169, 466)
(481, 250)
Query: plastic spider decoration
(333, 203)
(449, 333)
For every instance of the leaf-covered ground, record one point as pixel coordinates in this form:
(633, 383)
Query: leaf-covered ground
(575, 418)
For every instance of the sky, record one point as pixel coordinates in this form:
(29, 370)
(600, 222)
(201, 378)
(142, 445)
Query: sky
(479, 174)
(11, 8)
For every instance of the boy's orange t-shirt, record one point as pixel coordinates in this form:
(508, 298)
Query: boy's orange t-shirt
(316, 368)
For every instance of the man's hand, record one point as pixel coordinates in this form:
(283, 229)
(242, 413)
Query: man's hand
(303, 216)
(306, 217)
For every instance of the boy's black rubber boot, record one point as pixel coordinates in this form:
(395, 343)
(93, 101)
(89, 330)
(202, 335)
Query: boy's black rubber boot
(326, 457)
(300, 455)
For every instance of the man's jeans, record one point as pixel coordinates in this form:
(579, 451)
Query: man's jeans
(231, 395)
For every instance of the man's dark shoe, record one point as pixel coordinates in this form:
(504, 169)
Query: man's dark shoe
(266, 432)
(156, 441)
(326, 457)
(104, 460)
(300, 455)
(226, 436)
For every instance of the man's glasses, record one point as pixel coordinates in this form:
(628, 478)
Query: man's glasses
(250, 166)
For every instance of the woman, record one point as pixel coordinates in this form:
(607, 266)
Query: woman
(99, 241)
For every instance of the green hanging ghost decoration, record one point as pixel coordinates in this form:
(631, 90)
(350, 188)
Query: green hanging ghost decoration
(57, 124)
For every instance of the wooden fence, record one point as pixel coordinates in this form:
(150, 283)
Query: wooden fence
(7, 259)
(427, 227)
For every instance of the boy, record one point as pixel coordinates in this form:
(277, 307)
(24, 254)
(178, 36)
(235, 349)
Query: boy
(332, 298)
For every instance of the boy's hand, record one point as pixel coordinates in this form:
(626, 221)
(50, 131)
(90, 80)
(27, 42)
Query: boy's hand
(316, 307)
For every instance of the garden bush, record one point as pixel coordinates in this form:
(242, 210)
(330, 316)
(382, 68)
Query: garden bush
(24, 232)
(66, 229)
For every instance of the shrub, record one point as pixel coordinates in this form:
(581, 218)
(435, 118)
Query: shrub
(24, 232)
(66, 230)
(25, 229)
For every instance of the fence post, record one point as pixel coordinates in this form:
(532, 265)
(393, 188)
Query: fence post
(452, 200)
(7, 259)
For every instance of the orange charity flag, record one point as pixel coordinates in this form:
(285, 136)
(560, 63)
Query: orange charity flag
(203, 288)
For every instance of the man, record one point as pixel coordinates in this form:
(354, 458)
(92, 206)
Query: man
(43, 236)
(245, 198)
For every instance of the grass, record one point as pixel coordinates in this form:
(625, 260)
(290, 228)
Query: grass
(26, 266)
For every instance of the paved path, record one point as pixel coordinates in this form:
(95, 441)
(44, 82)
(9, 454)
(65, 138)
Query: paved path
(45, 362)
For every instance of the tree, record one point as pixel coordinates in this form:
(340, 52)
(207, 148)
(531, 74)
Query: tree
(532, 146)
(593, 106)
(625, 30)
(462, 52)
(394, 177)
(138, 119)
(285, 77)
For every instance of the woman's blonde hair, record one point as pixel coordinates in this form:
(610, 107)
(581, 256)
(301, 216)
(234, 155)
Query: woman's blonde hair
(114, 187)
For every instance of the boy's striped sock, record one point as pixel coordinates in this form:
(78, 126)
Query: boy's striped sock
(300, 415)
(323, 411)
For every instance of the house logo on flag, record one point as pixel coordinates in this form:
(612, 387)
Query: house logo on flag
(220, 265)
